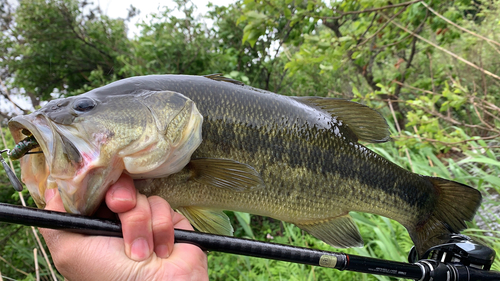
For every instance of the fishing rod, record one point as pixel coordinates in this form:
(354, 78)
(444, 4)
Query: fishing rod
(458, 260)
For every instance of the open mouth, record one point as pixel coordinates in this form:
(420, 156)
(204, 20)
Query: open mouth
(48, 156)
(33, 138)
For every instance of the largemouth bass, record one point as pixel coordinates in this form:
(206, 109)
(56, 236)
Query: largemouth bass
(208, 143)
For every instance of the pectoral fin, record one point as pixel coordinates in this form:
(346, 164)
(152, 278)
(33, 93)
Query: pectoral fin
(225, 173)
(207, 220)
(340, 232)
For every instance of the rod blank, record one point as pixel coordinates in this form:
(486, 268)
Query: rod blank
(211, 242)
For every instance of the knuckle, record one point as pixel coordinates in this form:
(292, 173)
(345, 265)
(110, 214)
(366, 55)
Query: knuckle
(137, 217)
(162, 223)
(158, 202)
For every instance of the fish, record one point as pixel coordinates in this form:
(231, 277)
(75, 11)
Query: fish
(210, 143)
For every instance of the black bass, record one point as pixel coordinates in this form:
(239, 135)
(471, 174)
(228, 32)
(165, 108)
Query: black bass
(208, 143)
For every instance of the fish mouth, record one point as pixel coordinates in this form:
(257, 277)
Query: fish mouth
(64, 162)
(35, 170)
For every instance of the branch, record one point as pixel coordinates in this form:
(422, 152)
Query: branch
(78, 36)
(15, 268)
(479, 115)
(489, 113)
(397, 91)
(459, 27)
(367, 29)
(431, 72)
(444, 50)
(374, 9)
(7, 96)
(383, 26)
(414, 88)
(447, 118)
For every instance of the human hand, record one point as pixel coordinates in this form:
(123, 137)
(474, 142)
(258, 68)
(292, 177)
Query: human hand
(146, 252)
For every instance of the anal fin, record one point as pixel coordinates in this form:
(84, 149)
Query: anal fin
(339, 232)
(208, 220)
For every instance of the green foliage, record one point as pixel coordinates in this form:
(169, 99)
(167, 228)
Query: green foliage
(60, 46)
(171, 45)
(384, 239)
(359, 45)
(443, 113)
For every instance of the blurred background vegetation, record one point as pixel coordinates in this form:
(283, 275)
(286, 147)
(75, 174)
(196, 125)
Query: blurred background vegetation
(430, 67)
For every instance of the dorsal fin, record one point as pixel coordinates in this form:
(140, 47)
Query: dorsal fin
(366, 123)
(219, 77)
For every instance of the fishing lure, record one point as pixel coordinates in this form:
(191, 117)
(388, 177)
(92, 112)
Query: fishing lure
(23, 147)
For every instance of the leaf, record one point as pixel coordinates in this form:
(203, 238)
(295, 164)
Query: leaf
(244, 220)
(480, 160)
(288, 13)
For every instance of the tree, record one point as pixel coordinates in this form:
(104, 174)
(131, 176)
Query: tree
(374, 49)
(54, 45)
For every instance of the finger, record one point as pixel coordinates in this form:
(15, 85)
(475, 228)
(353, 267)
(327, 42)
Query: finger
(137, 230)
(186, 255)
(163, 227)
(121, 196)
(191, 258)
(180, 221)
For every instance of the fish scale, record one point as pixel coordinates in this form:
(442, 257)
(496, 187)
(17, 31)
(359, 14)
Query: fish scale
(296, 159)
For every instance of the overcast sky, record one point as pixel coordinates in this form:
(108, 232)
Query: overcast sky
(119, 8)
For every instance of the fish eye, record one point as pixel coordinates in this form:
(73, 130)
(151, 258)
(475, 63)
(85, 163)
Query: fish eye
(84, 104)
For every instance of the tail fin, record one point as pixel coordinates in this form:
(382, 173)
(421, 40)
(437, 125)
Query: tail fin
(456, 204)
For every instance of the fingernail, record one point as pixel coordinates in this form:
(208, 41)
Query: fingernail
(162, 251)
(121, 194)
(140, 249)
(49, 194)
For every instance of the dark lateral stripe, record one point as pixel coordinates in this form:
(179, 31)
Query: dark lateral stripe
(323, 155)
